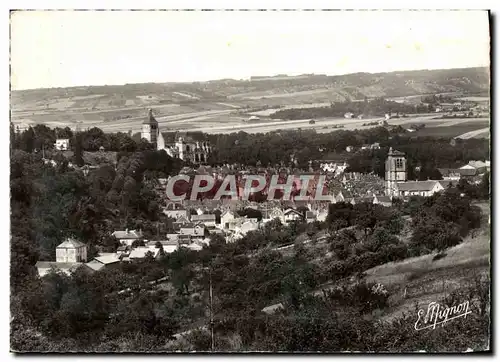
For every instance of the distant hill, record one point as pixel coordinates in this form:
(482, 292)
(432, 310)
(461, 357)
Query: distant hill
(357, 85)
(122, 107)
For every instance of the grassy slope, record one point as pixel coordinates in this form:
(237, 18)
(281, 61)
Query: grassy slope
(425, 280)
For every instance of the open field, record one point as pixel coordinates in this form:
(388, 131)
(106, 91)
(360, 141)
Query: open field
(479, 126)
(475, 99)
(433, 126)
(422, 280)
(222, 103)
(480, 133)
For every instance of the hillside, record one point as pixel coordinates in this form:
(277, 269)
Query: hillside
(122, 107)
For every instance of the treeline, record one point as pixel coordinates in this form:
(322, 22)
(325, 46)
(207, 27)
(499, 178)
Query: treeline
(288, 148)
(40, 137)
(377, 107)
(302, 146)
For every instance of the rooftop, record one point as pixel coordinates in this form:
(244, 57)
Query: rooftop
(395, 152)
(107, 259)
(127, 234)
(150, 118)
(71, 243)
(416, 185)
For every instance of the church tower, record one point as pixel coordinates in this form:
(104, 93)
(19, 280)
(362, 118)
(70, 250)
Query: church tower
(150, 128)
(395, 171)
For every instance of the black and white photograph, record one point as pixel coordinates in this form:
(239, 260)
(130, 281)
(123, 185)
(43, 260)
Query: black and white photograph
(229, 181)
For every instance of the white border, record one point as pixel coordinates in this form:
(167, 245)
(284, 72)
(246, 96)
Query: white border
(158, 4)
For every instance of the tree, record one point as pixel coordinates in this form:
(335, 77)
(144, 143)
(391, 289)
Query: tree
(78, 155)
(137, 243)
(484, 186)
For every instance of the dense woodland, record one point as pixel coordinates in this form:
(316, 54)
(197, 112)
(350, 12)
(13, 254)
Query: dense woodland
(85, 312)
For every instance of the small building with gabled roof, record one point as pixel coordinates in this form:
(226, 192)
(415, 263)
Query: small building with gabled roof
(71, 251)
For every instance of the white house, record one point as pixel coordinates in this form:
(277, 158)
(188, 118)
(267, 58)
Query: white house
(322, 215)
(127, 237)
(382, 200)
(226, 218)
(292, 215)
(104, 260)
(277, 213)
(71, 251)
(418, 188)
(62, 144)
(175, 211)
(140, 252)
(249, 225)
(207, 219)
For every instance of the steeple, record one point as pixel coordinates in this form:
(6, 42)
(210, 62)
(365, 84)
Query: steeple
(150, 128)
(150, 119)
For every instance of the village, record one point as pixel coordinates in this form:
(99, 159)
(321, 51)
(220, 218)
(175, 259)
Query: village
(195, 221)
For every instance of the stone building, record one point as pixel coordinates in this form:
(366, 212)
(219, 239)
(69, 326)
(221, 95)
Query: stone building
(71, 251)
(185, 148)
(395, 171)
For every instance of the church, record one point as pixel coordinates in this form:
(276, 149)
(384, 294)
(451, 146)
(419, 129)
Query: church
(396, 179)
(185, 148)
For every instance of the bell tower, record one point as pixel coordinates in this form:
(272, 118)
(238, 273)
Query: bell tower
(150, 128)
(395, 171)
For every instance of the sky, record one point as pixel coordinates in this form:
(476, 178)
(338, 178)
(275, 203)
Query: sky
(75, 48)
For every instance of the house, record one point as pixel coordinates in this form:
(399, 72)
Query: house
(373, 146)
(193, 230)
(249, 225)
(310, 216)
(271, 309)
(382, 200)
(277, 213)
(194, 246)
(127, 237)
(71, 251)
(44, 267)
(173, 237)
(343, 196)
(62, 144)
(213, 230)
(140, 252)
(184, 239)
(175, 211)
(169, 246)
(109, 260)
(292, 215)
(348, 115)
(206, 219)
(179, 222)
(418, 188)
(480, 166)
(322, 215)
(450, 173)
(360, 200)
(226, 218)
